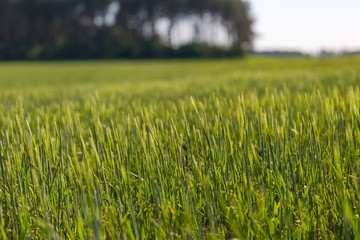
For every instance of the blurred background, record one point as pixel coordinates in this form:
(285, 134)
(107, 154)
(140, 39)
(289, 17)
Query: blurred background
(95, 29)
(316, 27)
(81, 29)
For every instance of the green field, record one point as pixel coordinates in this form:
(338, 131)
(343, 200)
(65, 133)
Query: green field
(258, 148)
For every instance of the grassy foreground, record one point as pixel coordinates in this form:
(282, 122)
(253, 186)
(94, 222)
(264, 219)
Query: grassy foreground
(260, 148)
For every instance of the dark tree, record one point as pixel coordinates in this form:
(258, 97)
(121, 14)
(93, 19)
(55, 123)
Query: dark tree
(65, 29)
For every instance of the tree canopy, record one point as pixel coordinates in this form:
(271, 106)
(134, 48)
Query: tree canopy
(63, 29)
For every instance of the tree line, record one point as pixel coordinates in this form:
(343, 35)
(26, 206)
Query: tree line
(82, 29)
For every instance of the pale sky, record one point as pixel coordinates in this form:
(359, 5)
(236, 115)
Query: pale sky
(307, 25)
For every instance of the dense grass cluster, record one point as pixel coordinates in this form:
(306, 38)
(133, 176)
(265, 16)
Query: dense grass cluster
(260, 148)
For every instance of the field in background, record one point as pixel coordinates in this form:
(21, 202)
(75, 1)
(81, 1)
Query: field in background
(262, 148)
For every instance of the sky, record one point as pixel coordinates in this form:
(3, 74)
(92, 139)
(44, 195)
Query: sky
(306, 25)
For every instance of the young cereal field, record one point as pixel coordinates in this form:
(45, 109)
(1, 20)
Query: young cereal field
(258, 148)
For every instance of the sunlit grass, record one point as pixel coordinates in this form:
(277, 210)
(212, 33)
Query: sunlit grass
(260, 148)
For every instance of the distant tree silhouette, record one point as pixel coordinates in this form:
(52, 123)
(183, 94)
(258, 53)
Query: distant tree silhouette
(66, 29)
